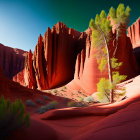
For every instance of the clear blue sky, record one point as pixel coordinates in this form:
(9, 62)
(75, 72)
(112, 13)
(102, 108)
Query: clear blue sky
(21, 21)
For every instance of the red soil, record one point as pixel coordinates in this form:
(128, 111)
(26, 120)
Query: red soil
(115, 121)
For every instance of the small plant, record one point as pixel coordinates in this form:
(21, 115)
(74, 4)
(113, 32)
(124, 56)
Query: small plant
(88, 99)
(79, 92)
(71, 104)
(72, 94)
(55, 91)
(80, 99)
(30, 103)
(45, 108)
(62, 90)
(12, 117)
(80, 105)
(39, 101)
(53, 103)
(46, 97)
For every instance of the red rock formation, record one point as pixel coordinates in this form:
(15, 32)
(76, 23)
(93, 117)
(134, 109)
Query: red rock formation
(87, 74)
(54, 58)
(12, 60)
(134, 33)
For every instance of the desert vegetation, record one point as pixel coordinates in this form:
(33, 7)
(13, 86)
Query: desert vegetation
(12, 117)
(101, 34)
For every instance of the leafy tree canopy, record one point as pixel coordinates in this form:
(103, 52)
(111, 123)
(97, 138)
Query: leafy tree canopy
(121, 14)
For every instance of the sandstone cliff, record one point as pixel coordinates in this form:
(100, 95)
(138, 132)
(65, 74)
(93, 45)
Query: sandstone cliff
(53, 61)
(11, 60)
(134, 33)
(64, 54)
(87, 74)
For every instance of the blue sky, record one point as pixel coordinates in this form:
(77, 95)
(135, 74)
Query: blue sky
(23, 20)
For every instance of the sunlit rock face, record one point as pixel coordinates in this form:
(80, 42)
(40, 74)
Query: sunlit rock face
(11, 60)
(54, 57)
(87, 74)
(64, 55)
(134, 33)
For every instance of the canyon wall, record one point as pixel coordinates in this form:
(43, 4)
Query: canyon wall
(63, 55)
(134, 33)
(87, 74)
(53, 61)
(11, 60)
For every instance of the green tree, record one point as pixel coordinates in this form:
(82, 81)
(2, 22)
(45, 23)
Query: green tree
(104, 86)
(101, 34)
(101, 29)
(121, 17)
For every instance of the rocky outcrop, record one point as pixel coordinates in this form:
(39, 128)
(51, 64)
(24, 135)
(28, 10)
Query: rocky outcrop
(64, 54)
(54, 58)
(134, 33)
(27, 76)
(87, 74)
(11, 60)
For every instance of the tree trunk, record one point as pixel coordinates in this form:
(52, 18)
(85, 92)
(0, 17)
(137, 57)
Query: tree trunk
(109, 69)
(108, 63)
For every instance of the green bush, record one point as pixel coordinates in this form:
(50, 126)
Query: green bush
(39, 101)
(30, 103)
(88, 99)
(71, 104)
(80, 99)
(45, 108)
(46, 97)
(55, 91)
(53, 103)
(12, 117)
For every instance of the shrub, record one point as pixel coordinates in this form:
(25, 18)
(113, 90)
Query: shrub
(46, 97)
(71, 104)
(45, 108)
(30, 103)
(55, 91)
(80, 99)
(64, 89)
(12, 117)
(80, 105)
(53, 103)
(39, 101)
(72, 93)
(79, 92)
(88, 99)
